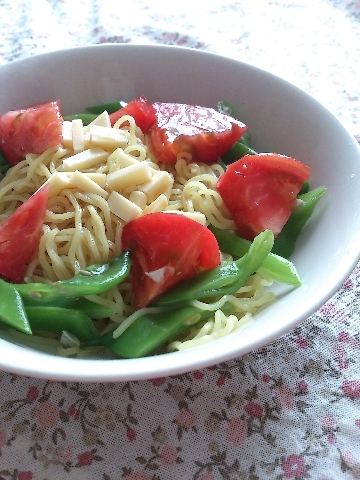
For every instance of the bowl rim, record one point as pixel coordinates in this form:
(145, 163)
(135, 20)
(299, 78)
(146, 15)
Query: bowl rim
(27, 362)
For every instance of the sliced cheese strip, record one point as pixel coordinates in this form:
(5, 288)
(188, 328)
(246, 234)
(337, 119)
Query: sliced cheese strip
(67, 141)
(99, 178)
(107, 138)
(139, 198)
(86, 159)
(161, 182)
(196, 216)
(77, 135)
(125, 160)
(130, 176)
(102, 120)
(84, 183)
(123, 208)
(58, 181)
(87, 143)
(157, 205)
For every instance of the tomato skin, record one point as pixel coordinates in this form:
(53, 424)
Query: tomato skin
(20, 235)
(141, 110)
(260, 191)
(30, 130)
(167, 248)
(203, 132)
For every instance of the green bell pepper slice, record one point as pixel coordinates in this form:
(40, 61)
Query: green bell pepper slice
(280, 269)
(12, 309)
(57, 319)
(92, 280)
(152, 330)
(284, 243)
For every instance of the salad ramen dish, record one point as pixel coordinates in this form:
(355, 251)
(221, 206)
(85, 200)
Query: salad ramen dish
(143, 220)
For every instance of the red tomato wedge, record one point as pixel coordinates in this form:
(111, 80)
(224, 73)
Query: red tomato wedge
(20, 234)
(203, 132)
(141, 110)
(31, 130)
(260, 191)
(167, 248)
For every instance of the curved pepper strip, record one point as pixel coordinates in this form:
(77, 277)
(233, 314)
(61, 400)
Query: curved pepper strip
(92, 309)
(12, 310)
(57, 319)
(284, 244)
(92, 280)
(4, 164)
(238, 150)
(152, 330)
(57, 307)
(280, 269)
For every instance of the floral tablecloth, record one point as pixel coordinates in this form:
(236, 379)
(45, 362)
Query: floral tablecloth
(290, 410)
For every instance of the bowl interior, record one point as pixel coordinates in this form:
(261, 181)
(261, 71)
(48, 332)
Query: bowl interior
(281, 118)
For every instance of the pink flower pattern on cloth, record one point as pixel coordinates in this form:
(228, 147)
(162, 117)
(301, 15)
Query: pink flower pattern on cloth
(290, 410)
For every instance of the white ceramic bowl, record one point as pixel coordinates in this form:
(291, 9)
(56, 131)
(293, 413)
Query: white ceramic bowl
(281, 118)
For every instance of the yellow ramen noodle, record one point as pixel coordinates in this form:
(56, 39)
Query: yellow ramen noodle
(100, 178)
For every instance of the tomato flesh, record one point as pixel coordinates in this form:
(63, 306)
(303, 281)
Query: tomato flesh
(30, 130)
(20, 235)
(260, 191)
(167, 248)
(203, 132)
(141, 110)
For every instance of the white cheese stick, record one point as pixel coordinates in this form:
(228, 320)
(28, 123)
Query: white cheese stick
(159, 204)
(58, 181)
(139, 198)
(132, 175)
(196, 216)
(84, 183)
(67, 141)
(99, 178)
(123, 208)
(77, 135)
(161, 182)
(87, 143)
(86, 159)
(125, 160)
(102, 120)
(107, 138)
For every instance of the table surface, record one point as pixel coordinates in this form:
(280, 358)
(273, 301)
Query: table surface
(288, 410)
